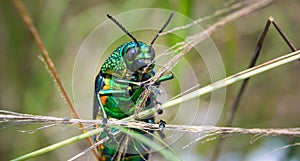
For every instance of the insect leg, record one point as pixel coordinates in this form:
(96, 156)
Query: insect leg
(104, 122)
(111, 91)
(162, 79)
(165, 78)
(126, 82)
(161, 126)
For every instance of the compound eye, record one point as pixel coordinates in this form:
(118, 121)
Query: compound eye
(131, 54)
(152, 52)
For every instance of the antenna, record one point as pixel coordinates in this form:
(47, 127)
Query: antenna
(123, 29)
(161, 30)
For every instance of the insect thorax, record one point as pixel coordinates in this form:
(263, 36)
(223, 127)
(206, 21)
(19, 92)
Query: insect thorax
(117, 66)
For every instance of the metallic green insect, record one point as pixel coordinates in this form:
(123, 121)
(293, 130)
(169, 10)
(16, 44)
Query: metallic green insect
(118, 89)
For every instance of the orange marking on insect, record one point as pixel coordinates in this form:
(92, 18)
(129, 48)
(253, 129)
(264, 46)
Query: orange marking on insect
(103, 158)
(103, 98)
(101, 146)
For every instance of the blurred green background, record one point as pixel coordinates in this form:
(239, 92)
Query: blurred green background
(271, 100)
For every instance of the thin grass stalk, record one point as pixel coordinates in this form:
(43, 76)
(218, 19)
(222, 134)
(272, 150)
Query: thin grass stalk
(49, 63)
(294, 132)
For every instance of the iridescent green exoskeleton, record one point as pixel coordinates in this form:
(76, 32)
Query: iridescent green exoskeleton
(119, 86)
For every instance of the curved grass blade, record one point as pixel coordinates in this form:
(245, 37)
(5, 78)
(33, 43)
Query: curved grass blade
(49, 63)
(59, 145)
(236, 77)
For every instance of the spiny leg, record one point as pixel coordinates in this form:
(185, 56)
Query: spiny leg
(104, 121)
(237, 98)
(161, 126)
(154, 90)
(158, 106)
(145, 83)
(108, 92)
(161, 123)
(151, 87)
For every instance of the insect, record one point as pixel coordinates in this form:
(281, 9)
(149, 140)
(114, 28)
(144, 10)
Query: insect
(118, 88)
